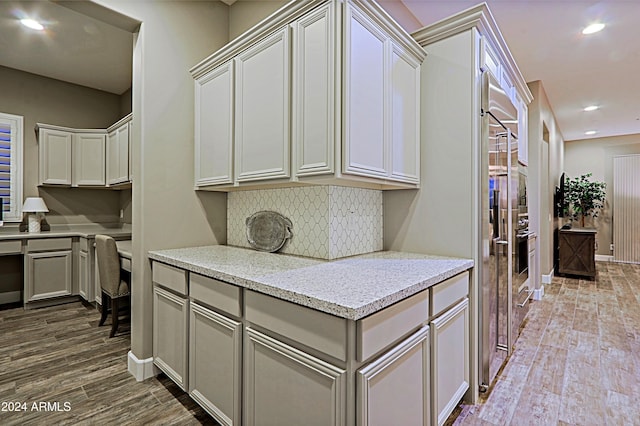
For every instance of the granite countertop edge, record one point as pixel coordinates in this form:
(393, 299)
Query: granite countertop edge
(270, 283)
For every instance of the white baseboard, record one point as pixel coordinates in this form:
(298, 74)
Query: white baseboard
(546, 279)
(603, 258)
(9, 297)
(141, 369)
(538, 293)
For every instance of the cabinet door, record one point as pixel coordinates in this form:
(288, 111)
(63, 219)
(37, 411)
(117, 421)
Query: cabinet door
(214, 124)
(285, 386)
(262, 110)
(394, 389)
(48, 275)
(83, 274)
(89, 162)
(404, 143)
(215, 345)
(118, 155)
(123, 153)
(112, 157)
(314, 93)
(170, 316)
(54, 151)
(365, 55)
(450, 360)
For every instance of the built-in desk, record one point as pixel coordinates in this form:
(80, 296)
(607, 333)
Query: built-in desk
(124, 251)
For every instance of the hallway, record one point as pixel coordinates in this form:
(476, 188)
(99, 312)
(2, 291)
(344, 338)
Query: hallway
(577, 361)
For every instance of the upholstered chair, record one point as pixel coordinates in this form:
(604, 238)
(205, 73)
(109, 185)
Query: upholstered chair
(114, 282)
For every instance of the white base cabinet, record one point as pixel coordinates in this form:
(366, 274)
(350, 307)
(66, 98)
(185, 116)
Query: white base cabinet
(450, 361)
(394, 389)
(215, 363)
(170, 326)
(253, 359)
(286, 386)
(48, 272)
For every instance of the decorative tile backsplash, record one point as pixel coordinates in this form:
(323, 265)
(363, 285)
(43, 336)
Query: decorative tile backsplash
(329, 222)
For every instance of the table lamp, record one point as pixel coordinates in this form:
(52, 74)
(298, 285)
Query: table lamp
(36, 208)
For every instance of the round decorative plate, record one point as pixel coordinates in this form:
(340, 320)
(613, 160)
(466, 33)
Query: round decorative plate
(268, 231)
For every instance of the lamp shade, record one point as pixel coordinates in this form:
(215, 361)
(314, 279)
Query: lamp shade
(34, 205)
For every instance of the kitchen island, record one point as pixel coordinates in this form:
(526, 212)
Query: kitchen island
(268, 338)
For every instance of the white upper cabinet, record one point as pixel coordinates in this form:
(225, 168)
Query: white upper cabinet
(347, 114)
(89, 159)
(314, 92)
(84, 157)
(54, 152)
(118, 152)
(214, 127)
(365, 100)
(262, 109)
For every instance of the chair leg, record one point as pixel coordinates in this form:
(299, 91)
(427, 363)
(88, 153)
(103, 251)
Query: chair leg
(105, 308)
(114, 315)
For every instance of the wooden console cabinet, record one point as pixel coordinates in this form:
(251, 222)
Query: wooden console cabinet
(576, 248)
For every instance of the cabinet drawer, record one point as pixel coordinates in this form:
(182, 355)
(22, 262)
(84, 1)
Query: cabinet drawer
(49, 244)
(449, 292)
(217, 294)
(125, 264)
(532, 243)
(11, 247)
(172, 278)
(318, 330)
(381, 329)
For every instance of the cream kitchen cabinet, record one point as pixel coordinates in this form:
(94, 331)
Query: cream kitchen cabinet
(449, 345)
(83, 274)
(170, 322)
(215, 348)
(287, 386)
(88, 158)
(54, 155)
(118, 152)
(353, 116)
(382, 132)
(71, 157)
(84, 157)
(258, 359)
(262, 109)
(214, 127)
(394, 389)
(48, 269)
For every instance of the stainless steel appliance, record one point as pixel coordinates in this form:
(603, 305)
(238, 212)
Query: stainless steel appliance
(504, 293)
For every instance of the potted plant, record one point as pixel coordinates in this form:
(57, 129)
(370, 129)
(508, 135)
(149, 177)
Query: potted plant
(583, 197)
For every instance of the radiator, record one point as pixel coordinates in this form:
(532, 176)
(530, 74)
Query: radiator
(626, 208)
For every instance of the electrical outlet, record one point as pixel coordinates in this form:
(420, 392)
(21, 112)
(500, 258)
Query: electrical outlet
(610, 247)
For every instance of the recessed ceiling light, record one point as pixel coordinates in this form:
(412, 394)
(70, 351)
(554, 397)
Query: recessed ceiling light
(590, 132)
(591, 108)
(593, 28)
(30, 23)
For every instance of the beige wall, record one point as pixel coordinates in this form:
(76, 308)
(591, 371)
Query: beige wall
(45, 100)
(546, 159)
(166, 211)
(596, 156)
(244, 14)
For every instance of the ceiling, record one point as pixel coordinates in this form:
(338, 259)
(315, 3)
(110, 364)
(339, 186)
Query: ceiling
(544, 37)
(576, 70)
(73, 47)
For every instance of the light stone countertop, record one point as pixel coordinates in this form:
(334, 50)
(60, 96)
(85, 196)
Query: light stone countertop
(57, 231)
(351, 288)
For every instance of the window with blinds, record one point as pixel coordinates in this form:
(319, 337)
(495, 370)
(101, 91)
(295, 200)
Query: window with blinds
(11, 167)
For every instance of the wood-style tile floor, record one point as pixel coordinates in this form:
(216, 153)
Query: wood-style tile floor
(577, 361)
(60, 356)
